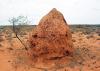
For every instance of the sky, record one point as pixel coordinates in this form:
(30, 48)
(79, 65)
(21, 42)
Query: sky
(74, 11)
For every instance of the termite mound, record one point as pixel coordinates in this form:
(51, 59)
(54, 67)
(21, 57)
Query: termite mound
(51, 39)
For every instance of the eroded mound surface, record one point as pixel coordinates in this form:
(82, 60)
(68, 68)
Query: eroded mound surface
(52, 38)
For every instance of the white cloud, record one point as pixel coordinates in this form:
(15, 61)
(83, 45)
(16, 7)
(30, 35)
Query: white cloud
(75, 11)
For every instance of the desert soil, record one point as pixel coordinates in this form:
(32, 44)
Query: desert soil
(13, 56)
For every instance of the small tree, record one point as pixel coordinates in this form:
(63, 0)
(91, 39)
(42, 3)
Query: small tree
(19, 21)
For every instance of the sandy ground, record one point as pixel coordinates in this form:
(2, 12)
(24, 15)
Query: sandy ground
(13, 56)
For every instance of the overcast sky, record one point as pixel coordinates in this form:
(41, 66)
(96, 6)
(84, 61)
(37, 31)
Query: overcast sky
(74, 11)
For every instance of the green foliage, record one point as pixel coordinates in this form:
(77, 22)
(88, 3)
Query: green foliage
(19, 23)
(20, 20)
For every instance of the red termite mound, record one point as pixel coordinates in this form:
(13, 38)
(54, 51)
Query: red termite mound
(51, 38)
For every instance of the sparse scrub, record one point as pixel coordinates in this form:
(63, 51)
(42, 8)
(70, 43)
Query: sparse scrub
(0, 45)
(1, 35)
(90, 36)
(1, 39)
